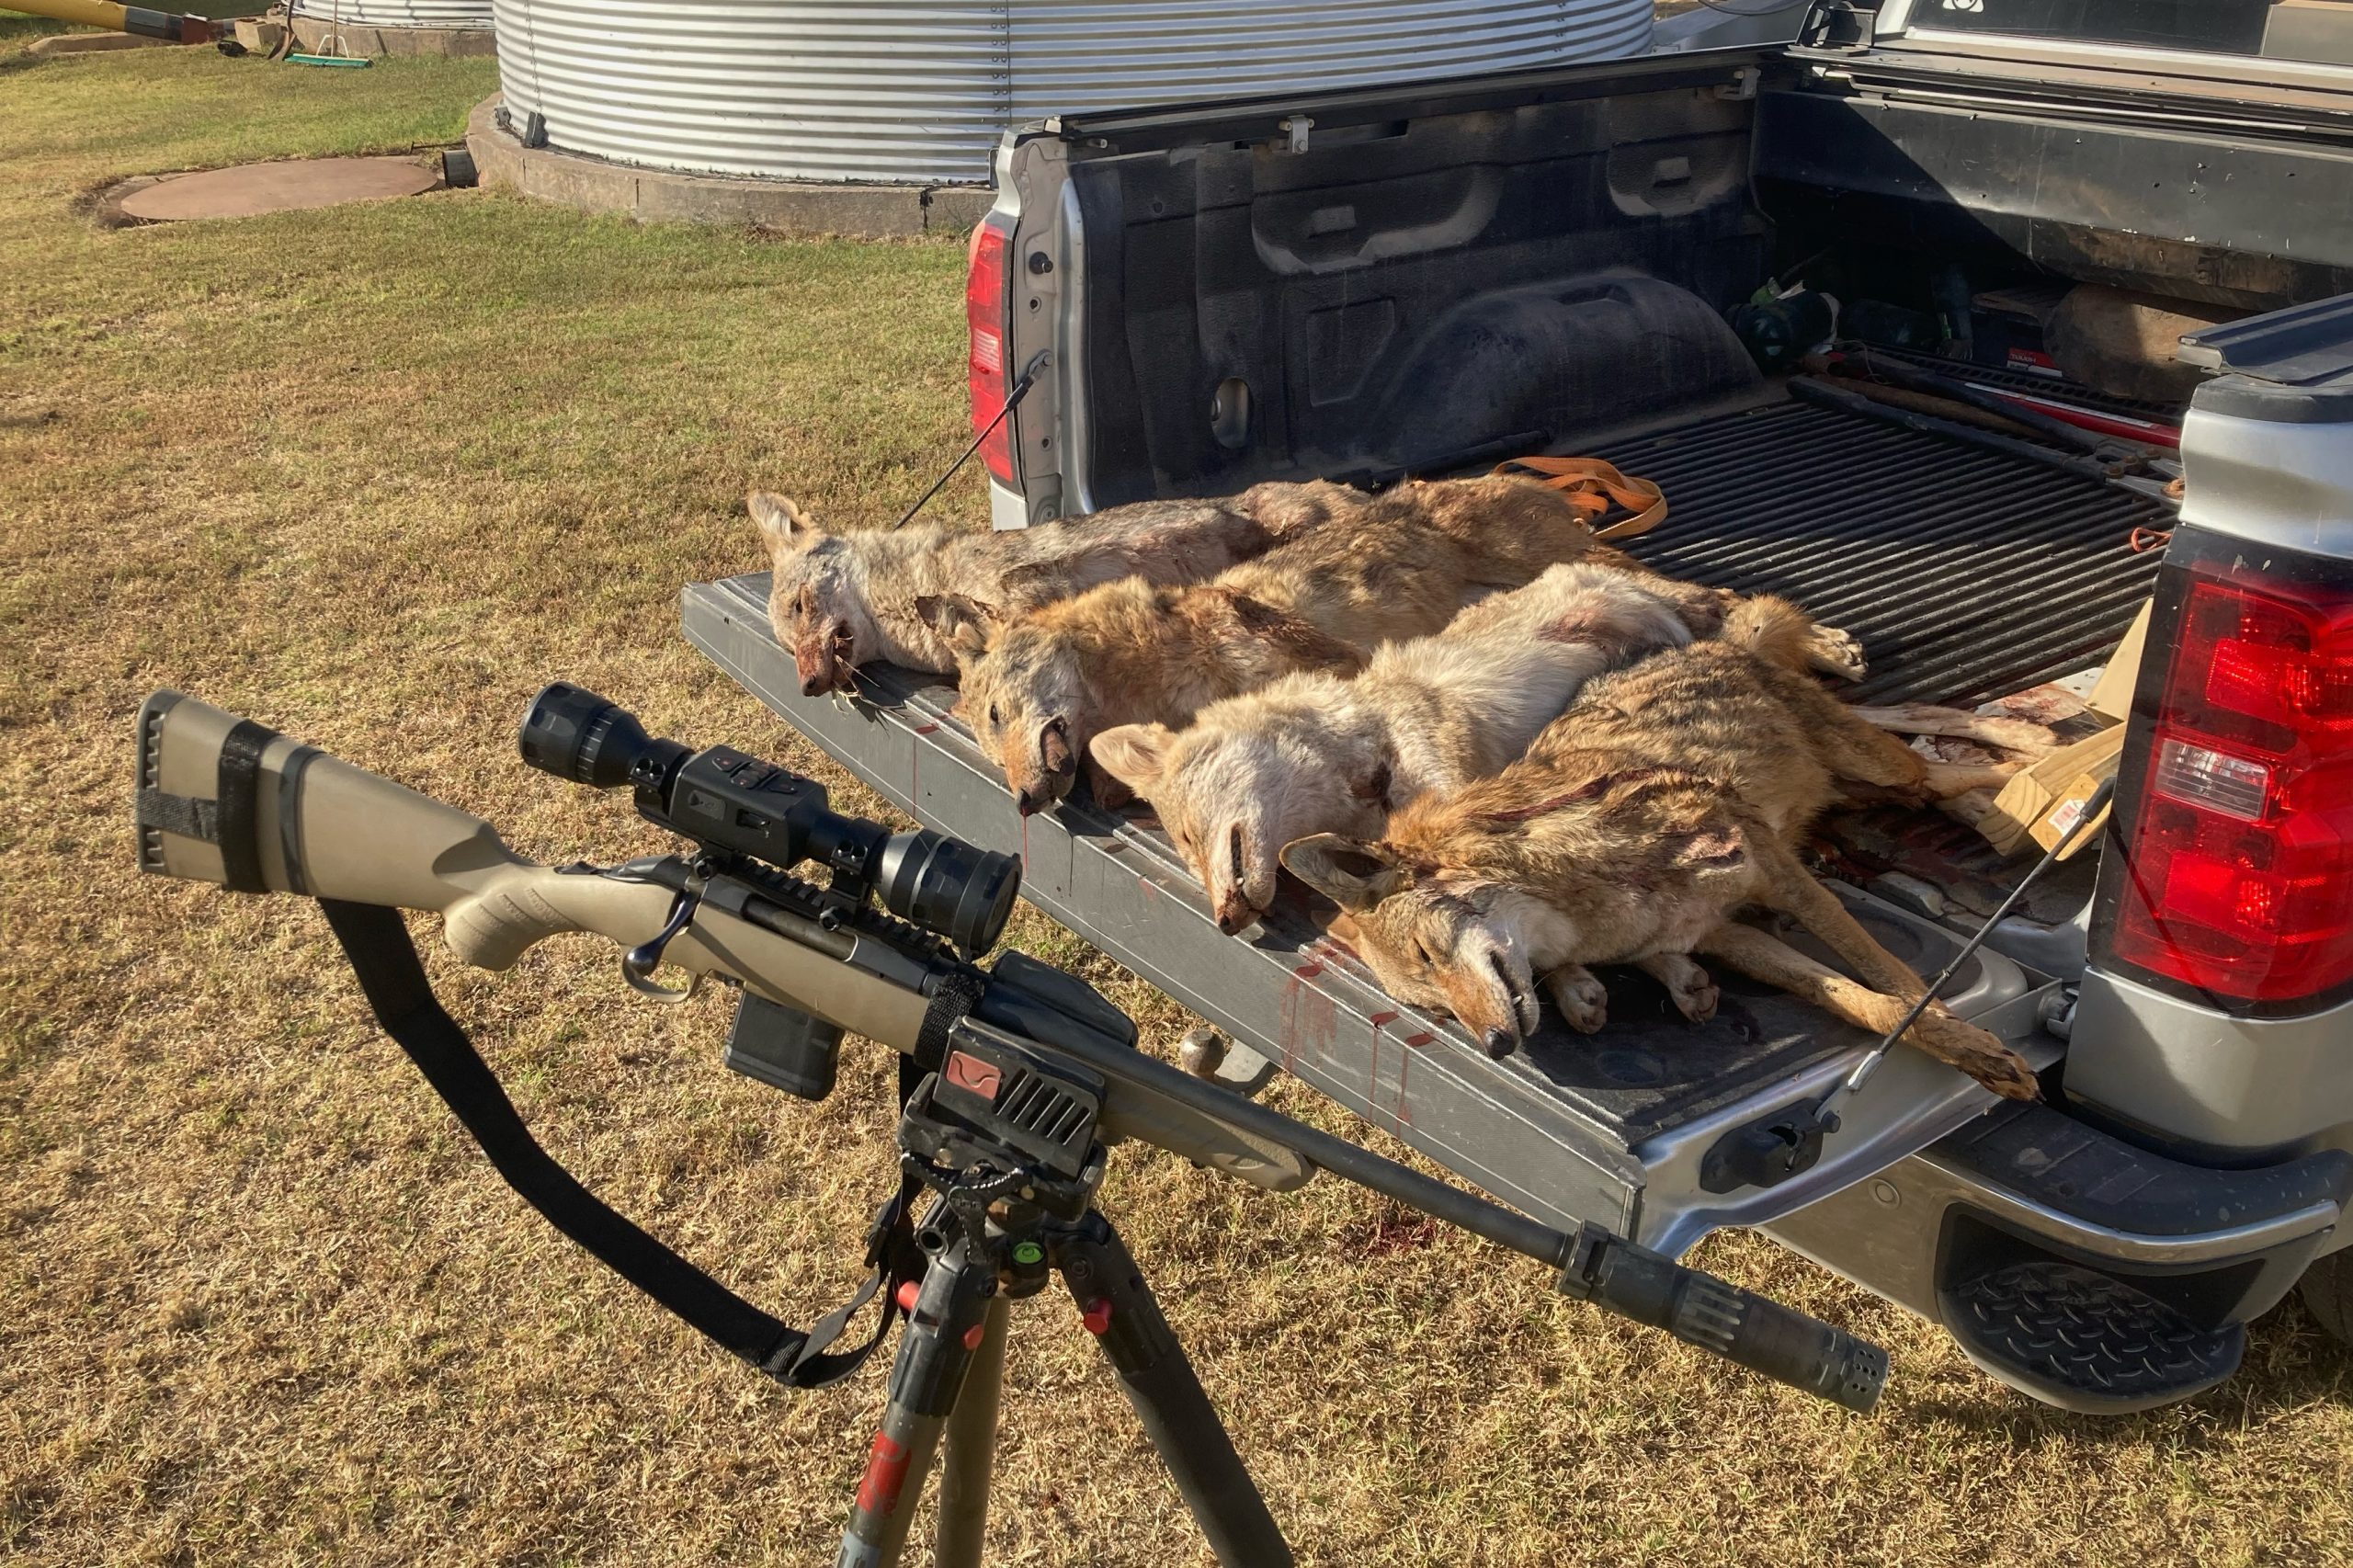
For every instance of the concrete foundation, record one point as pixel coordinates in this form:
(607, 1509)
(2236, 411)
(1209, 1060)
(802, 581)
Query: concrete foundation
(856, 211)
(250, 189)
(96, 43)
(319, 35)
(261, 35)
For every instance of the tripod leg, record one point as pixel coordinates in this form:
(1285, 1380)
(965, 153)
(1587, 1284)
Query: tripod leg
(971, 1449)
(935, 1352)
(1119, 1309)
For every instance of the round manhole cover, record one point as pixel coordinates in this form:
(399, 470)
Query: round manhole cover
(255, 188)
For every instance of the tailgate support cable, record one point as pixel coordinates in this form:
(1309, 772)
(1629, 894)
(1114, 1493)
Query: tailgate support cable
(1853, 1082)
(1020, 390)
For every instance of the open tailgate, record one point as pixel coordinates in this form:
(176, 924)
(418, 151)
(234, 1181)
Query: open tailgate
(1611, 1128)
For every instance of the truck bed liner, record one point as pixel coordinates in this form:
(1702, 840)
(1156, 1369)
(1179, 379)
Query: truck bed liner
(1609, 1128)
(1967, 574)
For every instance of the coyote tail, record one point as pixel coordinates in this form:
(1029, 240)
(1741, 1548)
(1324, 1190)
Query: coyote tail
(1774, 630)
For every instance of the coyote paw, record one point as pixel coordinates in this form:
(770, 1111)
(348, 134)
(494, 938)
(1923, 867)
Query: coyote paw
(1836, 652)
(1694, 992)
(1582, 1000)
(1976, 1052)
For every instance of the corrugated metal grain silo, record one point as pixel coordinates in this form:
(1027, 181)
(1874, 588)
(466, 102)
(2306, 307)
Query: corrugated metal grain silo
(455, 15)
(896, 92)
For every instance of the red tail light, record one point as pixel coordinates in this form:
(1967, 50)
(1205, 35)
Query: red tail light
(986, 320)
(2238, 877)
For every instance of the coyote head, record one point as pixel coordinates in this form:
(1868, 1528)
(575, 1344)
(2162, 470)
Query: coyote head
(1023, 694)
(1434, 939)
(1232, 797)
(815, 606)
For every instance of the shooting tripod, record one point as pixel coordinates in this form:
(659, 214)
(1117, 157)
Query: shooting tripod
(1004, 1138)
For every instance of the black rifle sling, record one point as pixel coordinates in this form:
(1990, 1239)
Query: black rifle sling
(383, 955)
(239, 785)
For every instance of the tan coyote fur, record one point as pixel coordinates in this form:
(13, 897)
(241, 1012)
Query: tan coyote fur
(1326, 753)
(1672, 794)
(1039, 686)
(838, 600)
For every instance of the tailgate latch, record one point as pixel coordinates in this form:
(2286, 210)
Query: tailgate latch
(1768, 1151)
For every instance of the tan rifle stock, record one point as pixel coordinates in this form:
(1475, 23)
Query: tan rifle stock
(329, 830)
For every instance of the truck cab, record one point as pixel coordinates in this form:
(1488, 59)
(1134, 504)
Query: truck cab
(1620, 259)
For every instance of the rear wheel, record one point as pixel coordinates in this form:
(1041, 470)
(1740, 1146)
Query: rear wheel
(2328, 1289)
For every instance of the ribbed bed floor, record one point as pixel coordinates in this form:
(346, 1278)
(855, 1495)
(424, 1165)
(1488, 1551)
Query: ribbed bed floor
(1967, 574)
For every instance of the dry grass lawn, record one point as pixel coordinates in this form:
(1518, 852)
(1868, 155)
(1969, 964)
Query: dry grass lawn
(374, 474)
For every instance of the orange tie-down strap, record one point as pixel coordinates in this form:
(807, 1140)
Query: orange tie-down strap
(1593, 486)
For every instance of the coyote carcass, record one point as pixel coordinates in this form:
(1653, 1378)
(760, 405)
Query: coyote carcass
(1672, 794)
(840, 599)
(1326, 753)
(1039, 686)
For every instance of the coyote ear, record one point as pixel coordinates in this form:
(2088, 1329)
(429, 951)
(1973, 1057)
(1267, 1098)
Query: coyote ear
(1353, 875)
(966, 625)
(783, 525)
(1039, 583)
(1136, 755)
(1373, 786)
(1718, 850)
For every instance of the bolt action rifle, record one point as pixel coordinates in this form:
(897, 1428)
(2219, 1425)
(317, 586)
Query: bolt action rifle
(1013, 1078)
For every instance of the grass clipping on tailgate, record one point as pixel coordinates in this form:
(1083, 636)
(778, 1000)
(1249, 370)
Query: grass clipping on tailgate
(373, 475)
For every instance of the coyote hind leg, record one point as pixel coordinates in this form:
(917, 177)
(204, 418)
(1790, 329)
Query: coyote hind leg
(1831, 652)
(1792, 890)
(1936, 1034)
(1925, 719)
(1857, 746)
(1780, 633)
(1943, 780)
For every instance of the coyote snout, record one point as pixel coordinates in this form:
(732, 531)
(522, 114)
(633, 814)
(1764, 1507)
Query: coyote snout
(1485, 981)
(1430, 941)
(813, 602)
(1046, 778)
(825, 652)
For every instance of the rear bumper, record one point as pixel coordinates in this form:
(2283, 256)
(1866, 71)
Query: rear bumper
(2219, 1246)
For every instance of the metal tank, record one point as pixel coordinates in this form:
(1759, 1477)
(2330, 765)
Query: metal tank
(900, 93)
(461, 15)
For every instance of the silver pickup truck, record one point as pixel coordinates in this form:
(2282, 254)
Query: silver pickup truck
(1429, 279)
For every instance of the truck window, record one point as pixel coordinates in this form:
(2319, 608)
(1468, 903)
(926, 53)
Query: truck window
(2318, 31)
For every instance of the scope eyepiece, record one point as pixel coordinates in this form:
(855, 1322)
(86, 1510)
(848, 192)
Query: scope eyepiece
(573, 734)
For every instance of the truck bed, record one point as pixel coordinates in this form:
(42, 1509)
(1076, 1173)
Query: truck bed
(1965, 573)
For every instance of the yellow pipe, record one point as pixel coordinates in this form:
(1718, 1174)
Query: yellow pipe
(127, 19)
